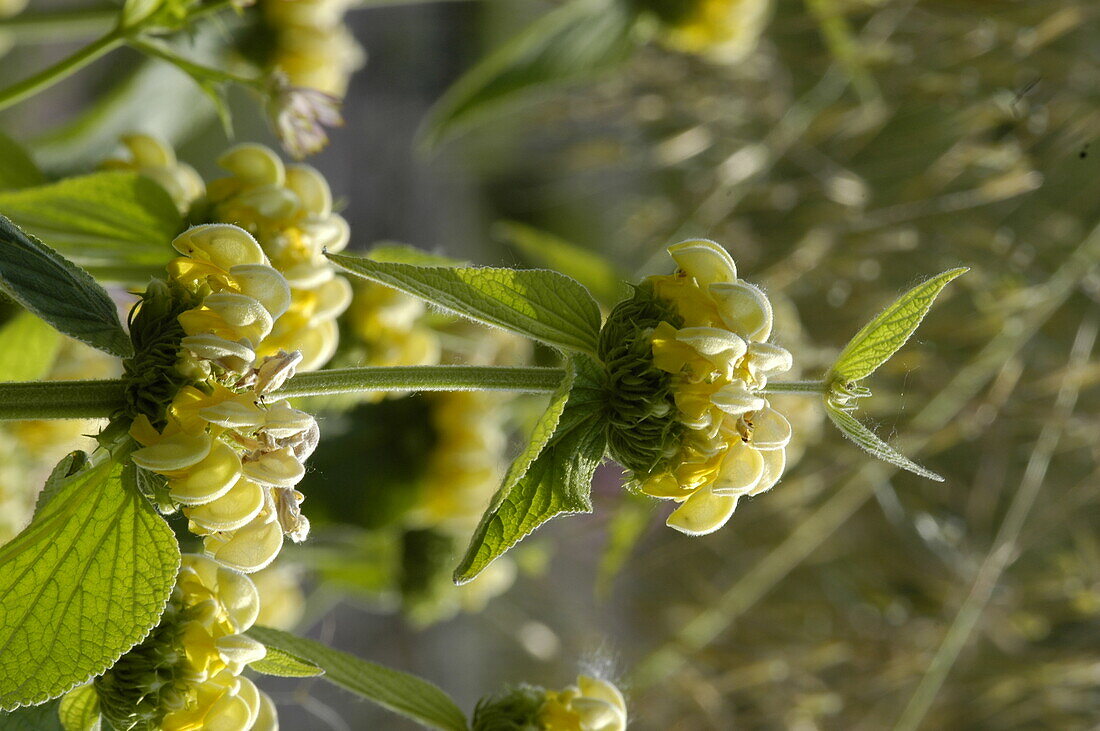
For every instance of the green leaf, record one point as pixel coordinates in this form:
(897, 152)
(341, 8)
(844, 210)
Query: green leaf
(17, 169)
(28, 348)
(58, 291)
(576, 41)
(587, 267)
(394, 253)
(120, 224)
(551, 477)
(79, 709)
(400, 692)
(32, 718)
(883, 336)
(870, 443)
(81, 585)
(537, 303)
(285, 665)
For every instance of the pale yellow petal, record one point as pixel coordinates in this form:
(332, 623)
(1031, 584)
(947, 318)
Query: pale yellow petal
(279, 469)
(232, 510)
(702, 513)
(267, 719)
(742, 468)
(744, 309)
(209, 479)
(264, 284)
(311, 188)
(175, 452)
(704, 260)
(770, 430)
(254, 164)
(775, 460)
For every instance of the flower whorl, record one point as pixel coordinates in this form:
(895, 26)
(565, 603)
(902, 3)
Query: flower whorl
(711, 436)
(228, 458)
(187, 673)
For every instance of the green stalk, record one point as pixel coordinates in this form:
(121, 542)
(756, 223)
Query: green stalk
(422, 378)
(160, 51)
(98, 399)
(61, 399)
(62, 69)
(812, 387)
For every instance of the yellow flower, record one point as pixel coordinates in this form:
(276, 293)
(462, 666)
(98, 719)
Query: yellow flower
(289, 211)
(726, 441)
(155, 160)
(232, 463)
(313, 47)
(227, 458)
(724, 31)
(186, 675)
(590, 705)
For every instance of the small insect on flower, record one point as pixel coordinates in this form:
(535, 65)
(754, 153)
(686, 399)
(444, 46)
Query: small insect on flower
(688, 359)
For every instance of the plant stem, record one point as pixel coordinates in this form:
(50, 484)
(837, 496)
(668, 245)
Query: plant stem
(191, 68)
(97, 399)
(422, 378)
(811, 387)
(61, 25)
(62, 69)
(61, 399)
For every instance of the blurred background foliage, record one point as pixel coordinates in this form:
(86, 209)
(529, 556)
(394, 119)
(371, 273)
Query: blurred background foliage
(859, 146)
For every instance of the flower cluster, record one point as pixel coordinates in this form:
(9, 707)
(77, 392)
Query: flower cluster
(157, 161)
(313, 47)
(228, 458)
(689, 360)
(590, 705)
(288, 208)
(723, 31)
(187, 673)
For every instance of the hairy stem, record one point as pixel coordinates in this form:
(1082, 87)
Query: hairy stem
(96, 399)
(808, 387)
(423, 378)
(61, 399)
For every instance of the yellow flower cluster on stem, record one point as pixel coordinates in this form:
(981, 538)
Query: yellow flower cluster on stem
(313, 46)
(186, 675)
(288, 208)
(230, 460)
(590, 705)
(720, 361)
